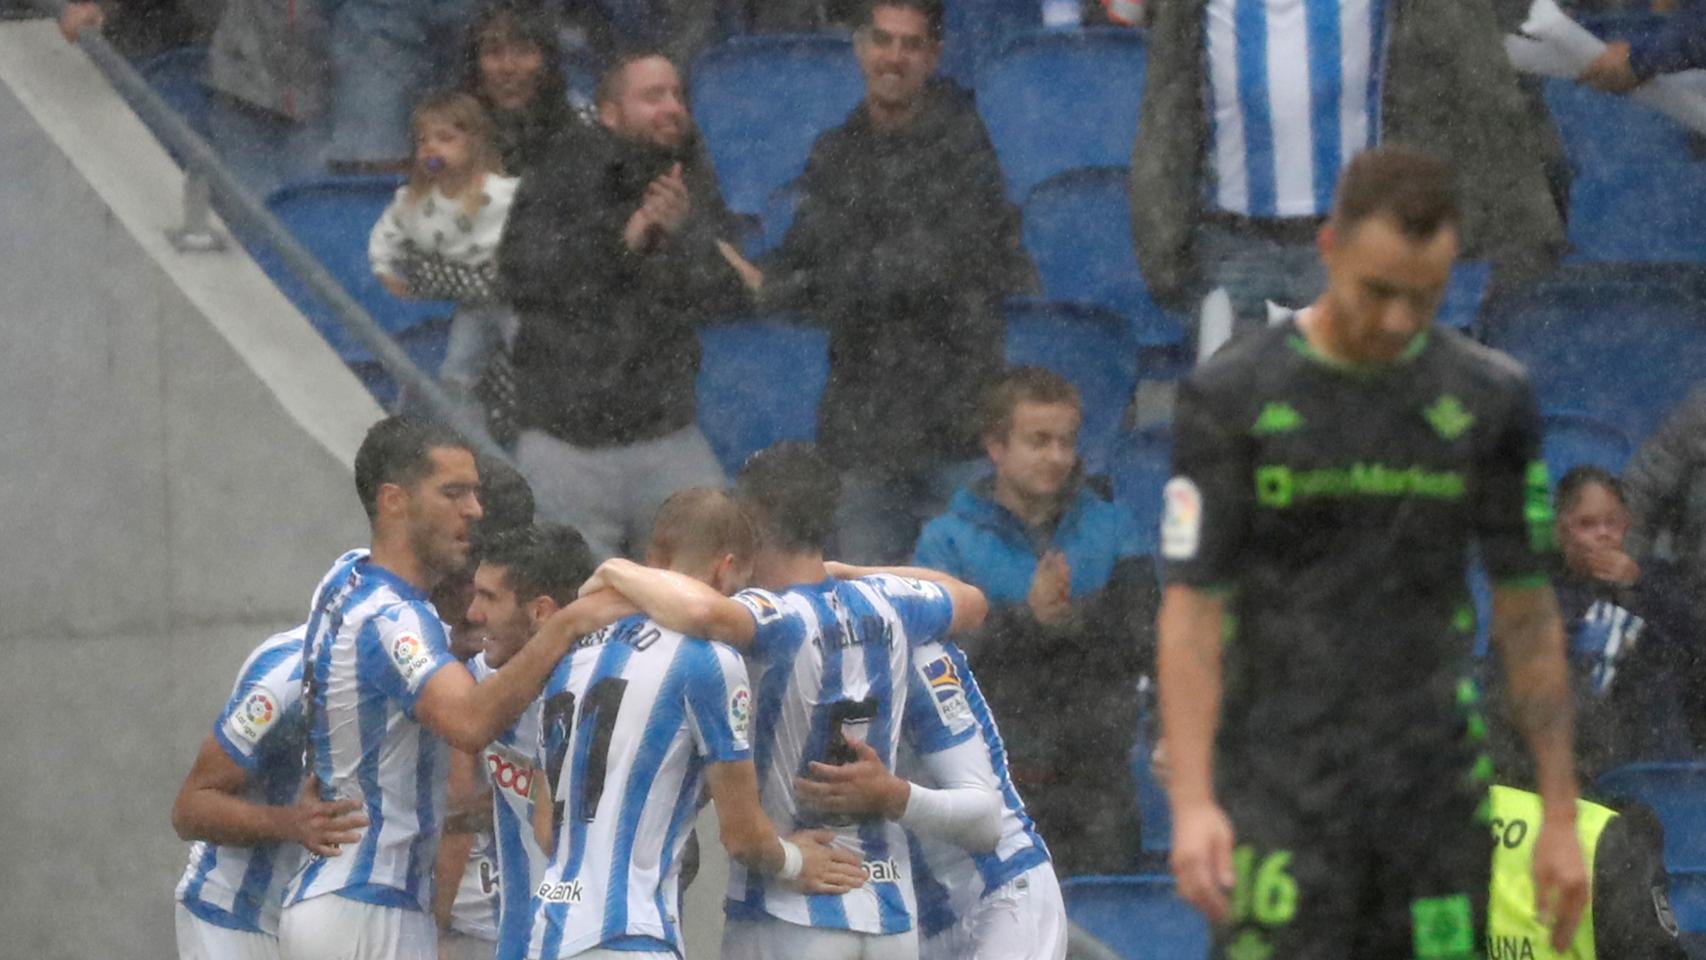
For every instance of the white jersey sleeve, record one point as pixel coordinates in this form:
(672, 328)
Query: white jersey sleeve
(719, 701)
(923, 607)
(414, 647)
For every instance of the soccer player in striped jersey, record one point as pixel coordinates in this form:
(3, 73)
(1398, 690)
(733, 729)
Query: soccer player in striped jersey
(239, 804)
(633, 722)
(833, 659)
(998, 900)
(383, 695)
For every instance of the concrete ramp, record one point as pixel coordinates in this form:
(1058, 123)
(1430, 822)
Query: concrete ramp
(177, 473)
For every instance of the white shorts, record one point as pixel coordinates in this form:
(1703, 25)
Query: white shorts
(599, 953)
(200, 940)
(1025, 919)
(330, 927)
(781, 940)
(455, 945)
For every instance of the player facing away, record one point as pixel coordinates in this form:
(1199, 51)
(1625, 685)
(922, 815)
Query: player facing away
(1330, 475)
(382, 695)
(832, 659)
(525, 577)
(634, 720)
(986, 887)
(239, 804)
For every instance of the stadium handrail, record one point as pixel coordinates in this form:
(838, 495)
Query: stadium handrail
(208, 178)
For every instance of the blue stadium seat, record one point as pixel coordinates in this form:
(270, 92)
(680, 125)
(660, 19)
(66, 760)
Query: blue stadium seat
(1093, 349)
(974, 31)
(1138, 916)
(1677, 793)
(1576, 439)
(1058, 99)
(333, 219)
(1688, 899)
(176, 75)
(425, 344)
(1142, 462)
(1624, 352)
(1464, 294)
(762, 100)
(759, 383)
(1602, 131)
(777, 216)
(1078, 230)
(1653, 211)
(1154, 814)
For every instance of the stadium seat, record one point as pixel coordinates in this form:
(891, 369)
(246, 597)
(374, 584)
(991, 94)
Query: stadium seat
(1078, 230)
(176, 75)
(1464, 294)
(762, 100)
(1576, 439)
(1138, 916)
(1058, 99)
(1623, 352)
(1602, 131)
(1688, 899)
(759, 383)
(1644, 212)
(1677, 793)
(425, 344)
(333, 218)
(1093, 349)
(1155, 816)
(974, 31)
(1141, 463)
(777, 216)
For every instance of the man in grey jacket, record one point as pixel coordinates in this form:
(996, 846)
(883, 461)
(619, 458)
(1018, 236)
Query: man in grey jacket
(1238, 148)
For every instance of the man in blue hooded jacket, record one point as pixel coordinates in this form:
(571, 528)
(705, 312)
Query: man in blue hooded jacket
(1072, 602)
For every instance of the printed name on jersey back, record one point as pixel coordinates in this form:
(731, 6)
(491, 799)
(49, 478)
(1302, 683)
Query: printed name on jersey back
(1181, 523)
(948, 692)
(411, 656)
(763, 606)
(253, 717)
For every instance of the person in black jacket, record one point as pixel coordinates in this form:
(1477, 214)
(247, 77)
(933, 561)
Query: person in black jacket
(613, 250)
(902, 246)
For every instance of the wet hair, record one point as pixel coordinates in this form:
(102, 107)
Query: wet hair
(931, 10)
(548, 559)
(610, 81)
(506, 503)
(464, 112)
(521, 21)
(1410, 186)
(398, 449)
(1024, 384)
(1577, 479)
(792, 493)
(700, 524)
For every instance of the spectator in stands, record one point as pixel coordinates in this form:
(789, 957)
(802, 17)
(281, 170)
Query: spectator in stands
(1072, 604)
(903, 245)
(385, 54)
(614, 249)
(438, 239)
(1245, 127)
(514, 64)
(1679, 45)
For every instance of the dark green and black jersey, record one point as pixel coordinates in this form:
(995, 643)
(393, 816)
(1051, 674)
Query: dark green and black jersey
(1335, 506)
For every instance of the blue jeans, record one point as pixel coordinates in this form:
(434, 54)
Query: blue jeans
(882, 510)
(385, 54)
(1254, 269)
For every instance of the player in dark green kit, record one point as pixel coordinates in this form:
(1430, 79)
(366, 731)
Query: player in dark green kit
(1330, 476)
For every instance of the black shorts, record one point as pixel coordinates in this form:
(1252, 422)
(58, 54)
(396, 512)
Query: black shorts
(1391, 878)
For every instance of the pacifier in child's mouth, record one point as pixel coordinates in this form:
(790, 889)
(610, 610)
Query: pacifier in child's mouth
(434, 164)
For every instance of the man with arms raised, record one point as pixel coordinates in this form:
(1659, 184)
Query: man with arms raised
(382, 695)
(834, 659)
(1330, 475)
(633, 721)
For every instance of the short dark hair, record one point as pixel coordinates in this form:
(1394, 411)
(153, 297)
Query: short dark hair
(506, 503)
(1577, 479)
(701, 523)
(398, 449)
(547, 559)
(1023, 384)
(610, 81)
(792, 493)
(1411, 186)
(932, 11)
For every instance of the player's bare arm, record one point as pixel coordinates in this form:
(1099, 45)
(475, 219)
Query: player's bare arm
(965, 810)
(210, 807)
(1190, 675)
(1530, 638)
(676, 602)
(465, 803)
(805, 861)
(970, 605)
(470, 715)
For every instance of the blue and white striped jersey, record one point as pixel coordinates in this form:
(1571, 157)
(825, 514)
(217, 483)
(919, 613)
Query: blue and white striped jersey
(373, 642)
(261, 730)
(630, 720)
(508, 764)
(949, 709)
(1295, 93)
(833, 658)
